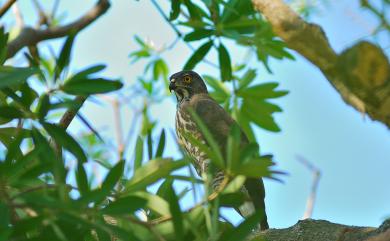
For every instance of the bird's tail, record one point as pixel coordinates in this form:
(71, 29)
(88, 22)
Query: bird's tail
(254, 188)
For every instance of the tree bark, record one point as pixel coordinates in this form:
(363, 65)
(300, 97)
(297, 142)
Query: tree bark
(321, 230)
(361, 73)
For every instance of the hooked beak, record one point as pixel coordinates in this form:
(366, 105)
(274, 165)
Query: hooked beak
(172, 85)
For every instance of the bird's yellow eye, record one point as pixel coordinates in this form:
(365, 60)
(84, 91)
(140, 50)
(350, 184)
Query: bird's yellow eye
(187, 79)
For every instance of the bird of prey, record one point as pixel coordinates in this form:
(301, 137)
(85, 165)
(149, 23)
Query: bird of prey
(191, 93)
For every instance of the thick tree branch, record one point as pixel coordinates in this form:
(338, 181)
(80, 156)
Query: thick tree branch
(361, 74)
(30, 36)
(6, 7)
(321, 230)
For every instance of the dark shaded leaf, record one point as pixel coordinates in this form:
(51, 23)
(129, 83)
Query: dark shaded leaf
(91, 86)
(61, 137)
(198, 55)
(176, 214)
(11, 76)
(10, 112)
(113, 176)
(81, 179)
(124, 206)
(175, 10)
(64, 58)
(198, 34)
(161, 145)
(245, 228)
(224, 63)
(43, 106)
(139, 149)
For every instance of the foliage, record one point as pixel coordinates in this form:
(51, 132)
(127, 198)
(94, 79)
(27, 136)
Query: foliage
(43, 199)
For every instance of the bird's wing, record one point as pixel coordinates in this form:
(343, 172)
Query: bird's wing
(217, 120)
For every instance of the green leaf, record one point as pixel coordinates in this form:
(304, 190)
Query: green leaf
(43, 106)
(5, 216)
(83, 74)
(256, 167)
(198, 34)
(261, 91)
(176, 214)
(242, 231)
(175, 10)
(113, 176)
(252, 112)
(151, 172)
(60, 136)
(233, 147)
(11, 76)
(224, 63)
(81, 179)
(155, 203)
(139, 148)
(198, 55)
(10, 112)
(235, 185)
(232, 199)
(91, 86)
(218, 86)
(150, 145)
(161, 145)
(64, 58)
(124, 206)
(247, 79)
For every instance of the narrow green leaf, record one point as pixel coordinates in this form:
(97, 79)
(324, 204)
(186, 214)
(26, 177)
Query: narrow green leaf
(60, 136)
(64, 58)
(263, 119)
(256, 167)
(198, 34)
(124, 206)
(245, 228)
(232, 199)
(11, 76)
(151, 172)
(139, 148)
(233, 147)
(175, 10)
(176, 214)
(43, 106)
(150, 145)
(198, 55)
(225, 64)
(247, 79)
(113, 176)
(10, 112)
(83, 74)
(81, 179)
(262, 91)
(91, 86)
(161, 145)
(5, 216)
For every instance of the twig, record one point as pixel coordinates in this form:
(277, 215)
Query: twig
(29, 36)
(316, 178)
(118, 126)
(71, 113)
(6, 7)
(18, 16)
(43, 19)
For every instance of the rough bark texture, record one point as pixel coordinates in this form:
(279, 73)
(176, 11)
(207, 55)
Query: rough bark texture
(361, 73)
(321, 230)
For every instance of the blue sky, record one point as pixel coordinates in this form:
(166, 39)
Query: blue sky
(352, 151)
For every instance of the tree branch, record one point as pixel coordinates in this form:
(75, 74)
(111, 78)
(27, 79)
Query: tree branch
(30, 36)
(321, 230)
(6, 7)
(361, 74)
(72, 112)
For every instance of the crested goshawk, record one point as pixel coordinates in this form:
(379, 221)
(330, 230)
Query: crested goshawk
(191, 93)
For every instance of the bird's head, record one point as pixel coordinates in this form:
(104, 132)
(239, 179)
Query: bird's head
(186, 83)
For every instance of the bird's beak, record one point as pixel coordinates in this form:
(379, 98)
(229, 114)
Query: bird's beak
(172, 86)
